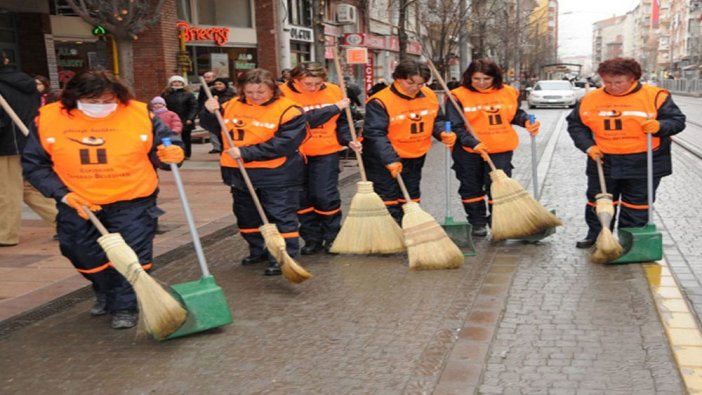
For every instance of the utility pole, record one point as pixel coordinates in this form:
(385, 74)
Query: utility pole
(518, 50)
(463, 51)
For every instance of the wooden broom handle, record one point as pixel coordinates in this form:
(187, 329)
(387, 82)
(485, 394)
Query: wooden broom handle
(239, 162)
(403, 188)
(6, 106)
(349, 116)
(600, 175)
(467, 124)
(96, 222)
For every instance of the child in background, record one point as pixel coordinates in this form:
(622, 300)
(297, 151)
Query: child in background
(169, 118)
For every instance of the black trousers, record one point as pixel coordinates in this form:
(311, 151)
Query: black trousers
(631, 202)
(473, 174)
(387, 187)
(280, 205)
(135, 221)
(320, 201)
(187, 140)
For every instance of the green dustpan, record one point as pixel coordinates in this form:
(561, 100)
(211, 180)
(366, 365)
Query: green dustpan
(535, 238)
(643, 244)
(458, 232)
(204, 300)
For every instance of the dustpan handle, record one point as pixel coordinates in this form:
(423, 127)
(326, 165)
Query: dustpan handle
(349, 116)
(534, 172)
(239, 162)
(466, 124)
(188, 215)
(447, 173)
(649, 175)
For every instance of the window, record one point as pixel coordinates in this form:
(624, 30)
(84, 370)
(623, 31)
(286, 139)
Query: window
(61, 7)
(183, 10)
(299, 13)
(224, 13)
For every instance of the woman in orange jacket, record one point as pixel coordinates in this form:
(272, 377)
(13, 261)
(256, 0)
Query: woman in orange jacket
(492, 108)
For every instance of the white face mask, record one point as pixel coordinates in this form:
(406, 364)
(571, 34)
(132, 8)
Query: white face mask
(97, 110)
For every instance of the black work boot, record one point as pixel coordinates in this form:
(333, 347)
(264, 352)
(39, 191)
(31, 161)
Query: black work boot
(273, 269)
(479, 231)
(311, 248)
(586, 242)
(100, 306)
(124, 319)
(254, 259)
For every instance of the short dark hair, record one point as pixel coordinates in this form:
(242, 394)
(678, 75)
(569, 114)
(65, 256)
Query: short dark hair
(485, 66)
(409, 68)
(308, 69)
(620, 66)
(257, 76)
(91, 84)
(44, 81)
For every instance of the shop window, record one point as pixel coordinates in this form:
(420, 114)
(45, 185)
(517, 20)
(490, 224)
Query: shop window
(224, 13)
(73, 57)
(299, 12)
(226, 61)
(61, 7)
(183, 10)
(299, 52)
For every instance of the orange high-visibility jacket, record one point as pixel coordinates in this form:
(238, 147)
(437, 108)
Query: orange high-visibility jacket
(249, 124)
(105, 160)
(411, 122)
(491, 114)
(616, 121)
(322, 139)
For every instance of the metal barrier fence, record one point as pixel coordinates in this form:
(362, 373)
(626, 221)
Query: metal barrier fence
(688, 87)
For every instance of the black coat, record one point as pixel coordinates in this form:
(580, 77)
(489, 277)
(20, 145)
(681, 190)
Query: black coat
(184, 104)
(20, 91)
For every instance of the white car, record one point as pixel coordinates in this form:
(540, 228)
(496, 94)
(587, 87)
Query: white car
(552, 93)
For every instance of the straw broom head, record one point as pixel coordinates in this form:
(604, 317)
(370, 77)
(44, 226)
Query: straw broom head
(428, 245)
(515, 213)
(161, 313)
(368, 228)
(275, 243)
(607, 248)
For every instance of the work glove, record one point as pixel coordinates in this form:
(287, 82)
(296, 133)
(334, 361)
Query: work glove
(394, 168)
(449, 139)
(651, 126)
(77, 202)
(170, 154)
(532, 128)
(482, 149)
(594, 152)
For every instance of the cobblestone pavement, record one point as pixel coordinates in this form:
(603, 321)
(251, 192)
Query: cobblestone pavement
(516, 318)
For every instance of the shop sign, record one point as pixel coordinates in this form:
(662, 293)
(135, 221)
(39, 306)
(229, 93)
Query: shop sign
(329, 43)
(368, 71)
(368, 40)
(357, 55)
(187, 33)
(301, 34)
(413, 47)
(245, 62)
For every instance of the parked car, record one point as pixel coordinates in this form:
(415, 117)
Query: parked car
(552, 93)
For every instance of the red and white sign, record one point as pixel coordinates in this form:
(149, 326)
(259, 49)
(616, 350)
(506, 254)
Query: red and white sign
(368, 71)
(388, 43)
(358, 55)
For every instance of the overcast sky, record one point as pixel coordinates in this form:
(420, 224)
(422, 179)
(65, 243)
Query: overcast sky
(576, 18)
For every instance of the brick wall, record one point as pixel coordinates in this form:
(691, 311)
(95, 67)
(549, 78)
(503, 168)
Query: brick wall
(267, 35)
(155, 54)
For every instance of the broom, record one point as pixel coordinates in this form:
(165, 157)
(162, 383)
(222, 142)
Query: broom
(607, 248)
(368, 227)
(161, 313)
(428, 245)
(515, 214)
(275, 243)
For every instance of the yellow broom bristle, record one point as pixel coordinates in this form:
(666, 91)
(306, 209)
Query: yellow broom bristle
(275, 244)
(607, 248)
(428, 245)
(161, 313)
(368, 228)
(515, 213)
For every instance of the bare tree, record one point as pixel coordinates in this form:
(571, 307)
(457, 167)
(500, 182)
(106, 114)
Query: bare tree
(442, 30)
(124, 20)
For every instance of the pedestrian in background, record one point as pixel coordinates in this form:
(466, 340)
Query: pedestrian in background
(400, 121)
(181, 100)
(320, 201)
(284, 76)
(267, 130)
(209, 77)
(99, 148)
(491, 107)
(169, 118)
(44, 87)
(20, 92)
(611, 124)
(377, 87)
(223, 92)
